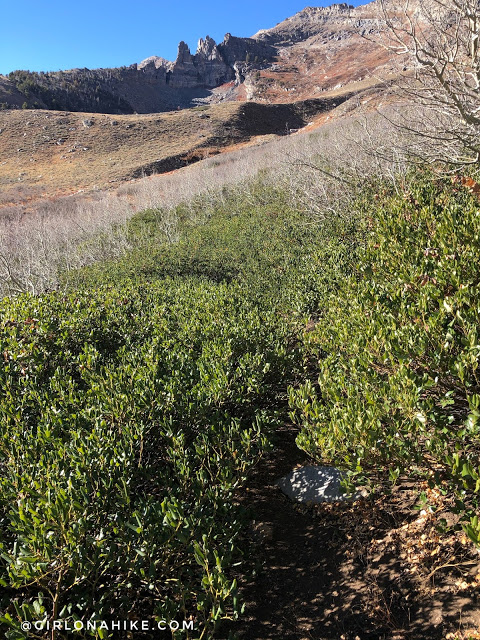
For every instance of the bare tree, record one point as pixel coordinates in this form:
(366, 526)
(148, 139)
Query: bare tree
(441, 37)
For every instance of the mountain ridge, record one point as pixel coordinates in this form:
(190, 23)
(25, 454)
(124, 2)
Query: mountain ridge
(256, 68)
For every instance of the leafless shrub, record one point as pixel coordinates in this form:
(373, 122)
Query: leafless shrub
(441, 38)
(19, 194)
(324, 171)
(59, 235)
(320, 170)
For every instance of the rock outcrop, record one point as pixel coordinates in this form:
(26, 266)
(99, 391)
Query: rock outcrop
(206, 68)
(312, 21)
(184, 72)
(212, 67)
(212, 64)
(235, 49)
(156, 68)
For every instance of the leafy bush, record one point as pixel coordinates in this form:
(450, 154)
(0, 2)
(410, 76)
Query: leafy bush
(398, 347)
(130, 416)
(135, 404)
(253, 236)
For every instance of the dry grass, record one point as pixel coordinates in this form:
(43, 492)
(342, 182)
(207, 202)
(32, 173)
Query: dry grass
(53, 153)
(65, 152)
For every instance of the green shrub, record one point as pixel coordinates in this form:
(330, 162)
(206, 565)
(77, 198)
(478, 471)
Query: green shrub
(129, 417)
(255, 237)
(136, 402)
(398, 347)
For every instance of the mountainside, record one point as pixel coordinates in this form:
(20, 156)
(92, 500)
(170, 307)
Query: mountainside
(316, 50)
(321, 49)
(153, 85)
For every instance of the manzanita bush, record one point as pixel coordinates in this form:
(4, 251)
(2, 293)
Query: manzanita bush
(131, 413)
(129, 417)
(135, 401)
(398, 346)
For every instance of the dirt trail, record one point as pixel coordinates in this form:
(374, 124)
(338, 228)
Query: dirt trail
(321, 579)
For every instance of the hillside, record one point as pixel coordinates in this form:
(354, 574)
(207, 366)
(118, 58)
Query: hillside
(153, 85)
(95, 128)
(321, 49)
(52, 152)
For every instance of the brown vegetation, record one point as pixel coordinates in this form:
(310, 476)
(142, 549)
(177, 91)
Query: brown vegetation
(48, 234)
(54, 152)
(65, 152)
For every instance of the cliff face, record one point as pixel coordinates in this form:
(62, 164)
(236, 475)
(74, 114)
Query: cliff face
(206, 68)
(246, 50)
(213, 65)
(320, 20)
(213, 70)
(184, 72)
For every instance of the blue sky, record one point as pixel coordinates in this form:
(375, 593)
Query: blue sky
(61, 34)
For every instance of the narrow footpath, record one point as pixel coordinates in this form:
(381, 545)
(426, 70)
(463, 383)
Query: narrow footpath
(336, 572)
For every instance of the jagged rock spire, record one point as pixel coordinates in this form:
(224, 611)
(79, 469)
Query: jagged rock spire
(207, 49)
(183, 56)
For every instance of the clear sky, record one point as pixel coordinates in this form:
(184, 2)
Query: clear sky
(48, 35)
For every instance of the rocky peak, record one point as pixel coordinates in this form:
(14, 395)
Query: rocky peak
(332, 10)
(212, 64)
(154, 62)
(207, 49)
(312, 21)
(183, 56)
(206, 68)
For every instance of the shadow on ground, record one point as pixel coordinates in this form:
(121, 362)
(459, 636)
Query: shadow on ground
(319, 579)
